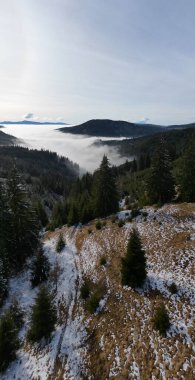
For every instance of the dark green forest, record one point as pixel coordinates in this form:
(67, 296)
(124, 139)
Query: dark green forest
(40, 190)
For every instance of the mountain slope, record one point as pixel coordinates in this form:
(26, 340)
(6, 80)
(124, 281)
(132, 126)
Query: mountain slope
(6, 139)
(111, 128)
(119, 128)
(123, 343)
(177, 140)
(118, 341)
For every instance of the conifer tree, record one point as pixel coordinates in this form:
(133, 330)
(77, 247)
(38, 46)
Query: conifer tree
(187, 172)
(40, 268)
(23, 229)
(4, 226)
(134, 263)
(43, 317)
(60, 243)
(161, 319)
(4, 217)
(85, 208)
(73, 216)
(41, 213)
(9, 342)
(105, 190)
(59, 215)
(3, 274)
(160, 186)
(16, 313)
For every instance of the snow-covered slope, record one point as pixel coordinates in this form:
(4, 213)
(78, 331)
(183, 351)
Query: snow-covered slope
(124, 343)
(64, 354)
(118, 341)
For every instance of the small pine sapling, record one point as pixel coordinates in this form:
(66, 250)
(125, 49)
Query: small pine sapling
(60, 243)
(161, 319)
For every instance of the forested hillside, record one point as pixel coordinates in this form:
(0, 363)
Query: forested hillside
(97, 272)
(112, 128)
(177, 140)
(6, 139)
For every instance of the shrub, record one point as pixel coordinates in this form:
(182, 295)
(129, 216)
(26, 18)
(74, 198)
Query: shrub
(60, 243)
(129, 219)
(98, 225)
(103, 261)
(161, 319)
(93, 303)
(89, 231)
(85, 289)
(173, 288)
(135, 212)
(121, 223)
(95, 293)
(144, 214)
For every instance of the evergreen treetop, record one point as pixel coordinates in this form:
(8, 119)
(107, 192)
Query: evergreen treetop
(187, 172)
(23, 225)
(9, 342)
(40, 268)
(160, 185)
(43, 317)
(105, 190)
(134, 263)
(161, 319)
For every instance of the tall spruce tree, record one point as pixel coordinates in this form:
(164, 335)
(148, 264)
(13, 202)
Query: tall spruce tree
(43, 317)
(105, 190)
(4, 226)
(23, 228)
(40, 268)
(9, 342)
(73, 215)
(186, 176)
(160, 186)
(134, 263)
(3, 274)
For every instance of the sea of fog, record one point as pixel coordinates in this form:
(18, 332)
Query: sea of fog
(77, 148)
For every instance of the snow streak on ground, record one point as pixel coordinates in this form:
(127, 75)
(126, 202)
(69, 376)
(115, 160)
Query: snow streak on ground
(63, 355)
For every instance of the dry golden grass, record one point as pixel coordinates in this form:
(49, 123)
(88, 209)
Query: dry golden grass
(125, 323)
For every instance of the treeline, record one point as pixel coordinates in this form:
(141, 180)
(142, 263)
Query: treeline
(177, 142)
(148, 179)
(160, 178)
(42, 169)
(92, 196)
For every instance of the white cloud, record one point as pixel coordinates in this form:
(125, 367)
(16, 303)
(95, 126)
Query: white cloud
(145, 120)
(29, 115)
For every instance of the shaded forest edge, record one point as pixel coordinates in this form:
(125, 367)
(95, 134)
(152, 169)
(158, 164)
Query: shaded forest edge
(6, 139)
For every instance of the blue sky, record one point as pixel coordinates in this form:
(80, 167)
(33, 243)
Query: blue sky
(82, 59)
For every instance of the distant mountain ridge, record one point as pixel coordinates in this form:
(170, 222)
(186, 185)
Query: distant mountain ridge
(119, 128)
(112, 128)
(34, 122)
